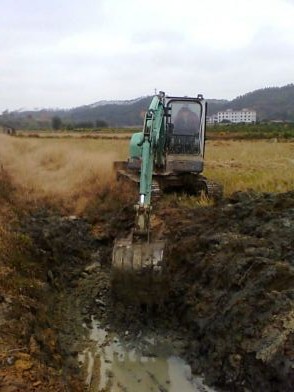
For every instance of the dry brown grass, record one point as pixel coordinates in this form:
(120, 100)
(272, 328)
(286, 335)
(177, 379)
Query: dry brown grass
(67, 172)
(260, 165)
(75, 172)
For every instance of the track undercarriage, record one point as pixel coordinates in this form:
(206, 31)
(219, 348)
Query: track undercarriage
(192, 182)
(139, 271)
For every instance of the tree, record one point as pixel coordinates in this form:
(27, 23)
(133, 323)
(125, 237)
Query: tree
(56, 123)
(101, 124)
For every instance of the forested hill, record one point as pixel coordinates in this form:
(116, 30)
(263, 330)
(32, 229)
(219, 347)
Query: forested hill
(116, 114)
(273, 103)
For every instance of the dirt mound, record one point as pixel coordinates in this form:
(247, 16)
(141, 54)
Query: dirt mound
(233, 288)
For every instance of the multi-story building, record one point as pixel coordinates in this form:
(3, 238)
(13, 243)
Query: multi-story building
(233, 116)
(211, 119)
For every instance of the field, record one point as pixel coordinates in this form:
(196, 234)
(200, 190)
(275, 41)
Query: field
(229, 313)
(70, 169)
(259, 165)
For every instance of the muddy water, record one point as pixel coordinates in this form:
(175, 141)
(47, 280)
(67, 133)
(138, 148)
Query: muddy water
(145, 364)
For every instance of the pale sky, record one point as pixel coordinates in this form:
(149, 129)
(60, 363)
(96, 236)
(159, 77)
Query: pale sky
(66, 53)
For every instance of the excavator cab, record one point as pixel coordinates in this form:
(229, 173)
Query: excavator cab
(184, 117)
(185, 134)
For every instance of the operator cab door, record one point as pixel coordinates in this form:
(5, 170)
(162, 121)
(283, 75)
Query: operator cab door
(185, 126)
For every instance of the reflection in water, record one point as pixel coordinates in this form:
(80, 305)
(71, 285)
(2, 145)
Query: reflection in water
(146, 365)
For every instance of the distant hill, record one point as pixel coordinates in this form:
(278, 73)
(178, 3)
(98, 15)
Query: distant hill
(272, 103)
(214, 105)
(115, 113)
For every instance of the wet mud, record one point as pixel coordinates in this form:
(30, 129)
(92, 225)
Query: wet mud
(145, 363)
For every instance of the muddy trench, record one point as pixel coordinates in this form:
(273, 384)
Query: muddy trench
(227, 323)
(110, 345)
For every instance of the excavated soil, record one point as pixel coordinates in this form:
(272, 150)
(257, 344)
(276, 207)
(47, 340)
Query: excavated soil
(230, 306)
(233, 280)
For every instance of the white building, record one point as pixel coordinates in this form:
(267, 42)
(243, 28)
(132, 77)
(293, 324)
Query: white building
(233, 116)
(211, 119)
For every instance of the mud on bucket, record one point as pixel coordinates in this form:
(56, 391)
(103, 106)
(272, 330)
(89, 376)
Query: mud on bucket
(139, 273)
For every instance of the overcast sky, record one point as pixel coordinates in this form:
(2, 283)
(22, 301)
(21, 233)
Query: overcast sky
(65, 53)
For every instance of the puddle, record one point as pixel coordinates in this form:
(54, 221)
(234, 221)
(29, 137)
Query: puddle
(148, 364)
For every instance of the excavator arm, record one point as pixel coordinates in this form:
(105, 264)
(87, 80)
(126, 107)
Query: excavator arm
(139, 255)
(152, 152)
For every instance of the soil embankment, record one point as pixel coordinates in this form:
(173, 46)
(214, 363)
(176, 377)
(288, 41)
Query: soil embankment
(30, 354)
(232, 269)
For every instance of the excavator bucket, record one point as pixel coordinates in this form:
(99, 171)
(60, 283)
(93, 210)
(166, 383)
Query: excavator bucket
(139, 271)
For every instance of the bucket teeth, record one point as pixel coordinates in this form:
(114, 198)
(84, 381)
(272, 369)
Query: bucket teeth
(137, 256)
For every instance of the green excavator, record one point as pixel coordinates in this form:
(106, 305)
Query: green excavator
(167, 155)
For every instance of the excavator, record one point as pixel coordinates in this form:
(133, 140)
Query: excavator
(167, 155)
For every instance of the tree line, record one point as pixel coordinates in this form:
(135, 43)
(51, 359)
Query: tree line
(58, 124)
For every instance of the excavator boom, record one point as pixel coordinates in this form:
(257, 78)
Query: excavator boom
(138, 255)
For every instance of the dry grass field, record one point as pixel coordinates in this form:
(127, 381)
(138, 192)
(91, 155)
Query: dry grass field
(67, 171)
(260, 165)
(72, 171)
